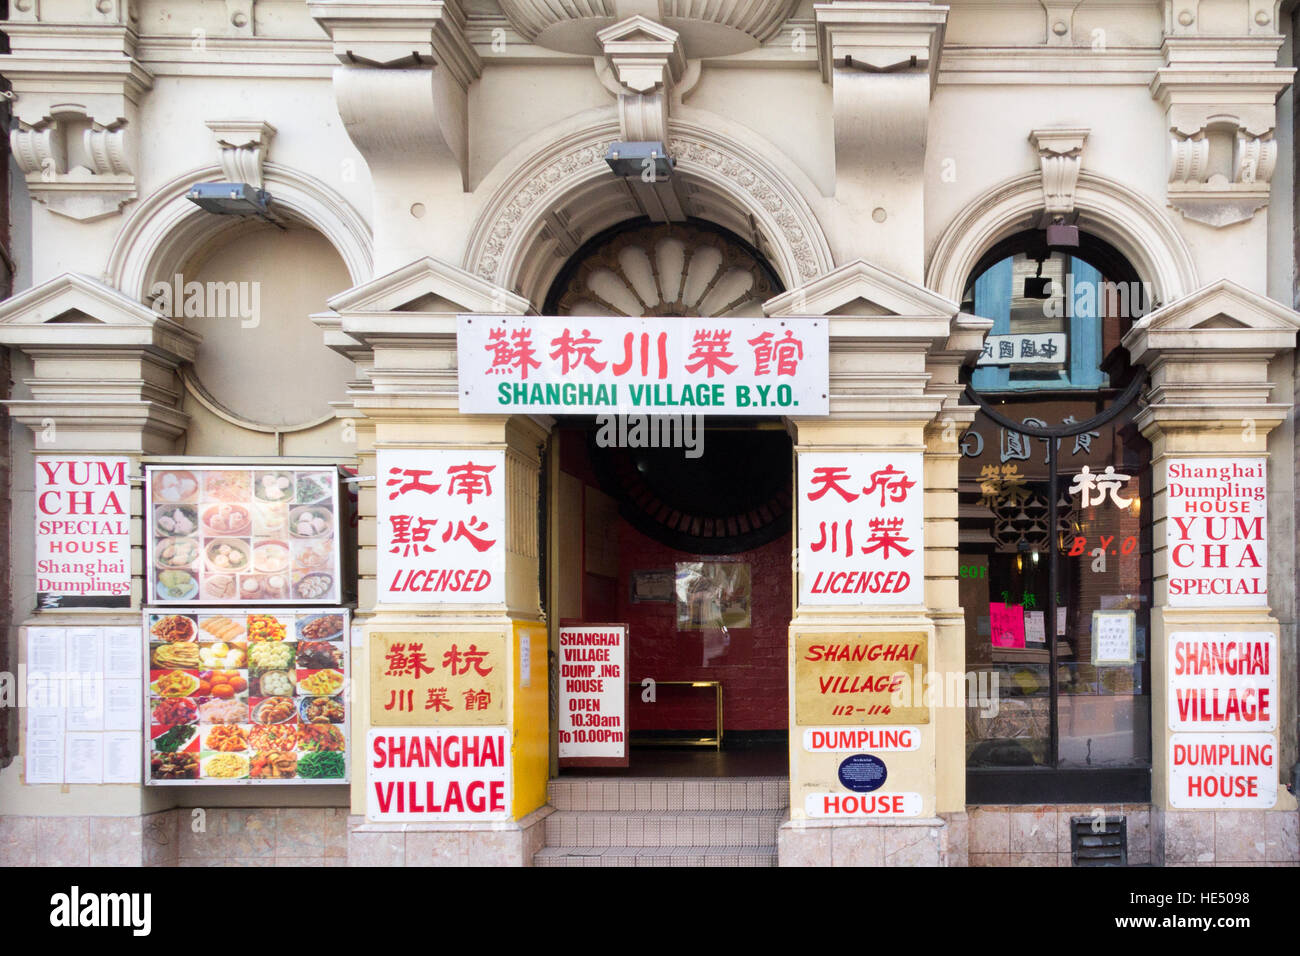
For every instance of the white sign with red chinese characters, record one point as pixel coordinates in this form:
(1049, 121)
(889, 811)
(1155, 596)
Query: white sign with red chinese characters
(657, 365)
(1216, 530)
(428, 775)
(441, 519)
(1222, 770)
(593, 693)
(83, 532)
(861, 528)
(1223, 681)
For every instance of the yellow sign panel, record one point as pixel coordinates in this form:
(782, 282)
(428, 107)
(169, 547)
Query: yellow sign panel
(429, 678)
(853, 678)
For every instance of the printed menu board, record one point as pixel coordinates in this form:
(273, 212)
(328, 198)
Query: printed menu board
(247, 696)
(227, 535)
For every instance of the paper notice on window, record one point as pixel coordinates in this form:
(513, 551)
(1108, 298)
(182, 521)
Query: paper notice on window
(1061, 621)
(122, 757)
(122, 704)
(46, 650)
(1114, 637)
(1035, 627)
(122, 657)
(1008, 624)
(85, 759)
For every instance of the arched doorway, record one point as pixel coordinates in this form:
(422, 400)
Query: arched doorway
(1055, 528)
(686, 541)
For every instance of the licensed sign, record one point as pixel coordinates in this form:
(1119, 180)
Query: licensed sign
(861, 528)
(593, 695)
(416, 775)
(83, 532)
(1214, 771)
(1223, 681)
(1217, 532)
(441, 526)
(656, 365)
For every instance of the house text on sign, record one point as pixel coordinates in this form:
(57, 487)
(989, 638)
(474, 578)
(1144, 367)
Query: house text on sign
(83, 531)
(861, 528)
(1222, 770)
(851, 678)
(433, 775)
(441, 526)
(1217, 532)
(624, 365)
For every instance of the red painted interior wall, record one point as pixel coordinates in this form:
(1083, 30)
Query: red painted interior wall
(753, 670)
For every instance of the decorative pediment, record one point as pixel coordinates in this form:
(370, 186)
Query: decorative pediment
(860, 289)
(429, 285)
(76, 311)
(1222, 306)
(413, 303)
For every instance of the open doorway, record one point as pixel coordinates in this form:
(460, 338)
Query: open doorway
(690, 548)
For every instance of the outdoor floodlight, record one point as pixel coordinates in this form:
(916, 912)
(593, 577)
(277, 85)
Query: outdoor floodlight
(630, 160)
(1059, 235)
(230, 199)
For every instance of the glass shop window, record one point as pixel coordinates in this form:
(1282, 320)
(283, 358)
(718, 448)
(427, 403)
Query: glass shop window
(1055, 534)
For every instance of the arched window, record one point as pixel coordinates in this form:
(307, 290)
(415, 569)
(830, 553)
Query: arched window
(1055, 542)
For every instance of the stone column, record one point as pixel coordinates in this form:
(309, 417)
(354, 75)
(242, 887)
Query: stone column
(1213, 357)
(407, 399)
(895, 352)
(102, 381)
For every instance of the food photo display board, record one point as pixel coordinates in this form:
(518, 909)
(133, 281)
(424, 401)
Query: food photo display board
(225, 534)
(247, 696)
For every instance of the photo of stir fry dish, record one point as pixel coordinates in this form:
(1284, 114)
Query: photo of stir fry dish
(174, 766)
(322, 710)
(265, 627)
(319, 654)
(226, 737)
(275, 766)
(328, 627)
(173, 711)
(319, 737)
(282, 738)
(173, 628)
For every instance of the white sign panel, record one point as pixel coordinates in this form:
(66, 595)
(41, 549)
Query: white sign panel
(1217, 532)
(442, 526)
(593, 693)
(83, 532)
(1040, 348)
(861, 528)
(1213, 771)
(879, 804)
(437, 774)
(1223, 681)
(1114, 637)
(838, 740)
(661, 366)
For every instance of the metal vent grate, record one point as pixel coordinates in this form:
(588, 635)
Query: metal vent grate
(1096, 842)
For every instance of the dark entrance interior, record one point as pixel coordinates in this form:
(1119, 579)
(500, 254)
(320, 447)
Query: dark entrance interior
(693, 552)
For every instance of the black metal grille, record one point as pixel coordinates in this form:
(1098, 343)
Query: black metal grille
(1099, 842)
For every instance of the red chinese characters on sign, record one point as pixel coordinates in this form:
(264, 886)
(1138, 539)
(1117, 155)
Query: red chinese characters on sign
(419, 678)
(441, 525)
(860, 528)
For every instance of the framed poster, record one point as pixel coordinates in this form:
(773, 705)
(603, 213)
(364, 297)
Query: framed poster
(236, 534)
(247, 696)
(1114, 637)
(593, 695)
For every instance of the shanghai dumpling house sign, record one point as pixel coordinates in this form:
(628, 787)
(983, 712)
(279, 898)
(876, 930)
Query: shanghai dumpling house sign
(588, 365)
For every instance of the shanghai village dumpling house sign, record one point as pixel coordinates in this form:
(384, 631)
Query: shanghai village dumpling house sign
(594, 364)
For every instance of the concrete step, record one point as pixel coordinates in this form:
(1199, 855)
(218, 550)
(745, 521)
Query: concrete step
(670, 793)
(656, 828)
(656, 856)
